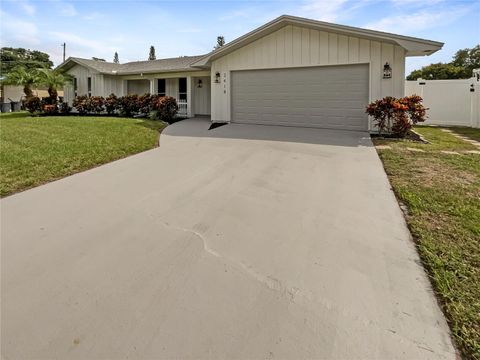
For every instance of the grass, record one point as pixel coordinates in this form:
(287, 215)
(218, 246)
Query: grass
(471, 133)
(442, 194)
(36, 150)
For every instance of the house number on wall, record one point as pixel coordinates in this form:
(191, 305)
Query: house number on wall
(224, 83)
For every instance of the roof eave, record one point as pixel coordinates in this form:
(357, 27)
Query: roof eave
(413, 46)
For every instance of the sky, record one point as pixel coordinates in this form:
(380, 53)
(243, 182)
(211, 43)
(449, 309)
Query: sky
(176, 28)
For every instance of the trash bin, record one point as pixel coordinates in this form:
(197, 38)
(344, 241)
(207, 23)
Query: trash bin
(16, 105)
(5, 107)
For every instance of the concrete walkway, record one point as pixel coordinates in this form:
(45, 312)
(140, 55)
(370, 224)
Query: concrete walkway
(244, 242)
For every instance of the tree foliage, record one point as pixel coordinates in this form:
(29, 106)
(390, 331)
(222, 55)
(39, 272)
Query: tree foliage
(53, 80)
(28, 59)
(20, 76)
(151, 55)
(220, 42)
(464, 61)
(115, 58)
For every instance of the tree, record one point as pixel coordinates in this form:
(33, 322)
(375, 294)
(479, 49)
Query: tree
(28, 59)
(220, 42)
(464, 61)
(439, 71)
(152, 56)
(97, 59)
(53, 80)
(468, 58)
(20, 76)
(115, 58)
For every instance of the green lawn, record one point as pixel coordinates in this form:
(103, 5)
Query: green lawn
(468, 132)
(35, 150)
(442, 194)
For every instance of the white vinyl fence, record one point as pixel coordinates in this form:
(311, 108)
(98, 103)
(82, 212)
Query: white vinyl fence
(450, 102)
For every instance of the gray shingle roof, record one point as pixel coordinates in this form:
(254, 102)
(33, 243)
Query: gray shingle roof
(149, 66)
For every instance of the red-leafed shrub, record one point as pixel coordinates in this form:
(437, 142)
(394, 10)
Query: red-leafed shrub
(144, 104)
(95, 104)
(111, 104)
(166, 108)
(49, 109)
(32, 104)
(81, 103)
(128, 105)
(397, 116)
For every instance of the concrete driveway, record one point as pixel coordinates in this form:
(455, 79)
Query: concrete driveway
(243, 242)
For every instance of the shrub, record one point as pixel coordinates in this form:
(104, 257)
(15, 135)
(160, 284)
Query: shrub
(95, 104)
(144, 104)
(166, 108)
(128, 105)
(32, 104)
(81, 104)
(64, 108)
(49, 109)
(397, 115)
(111, 103)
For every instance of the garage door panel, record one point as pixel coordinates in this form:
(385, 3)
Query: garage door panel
(331, 97)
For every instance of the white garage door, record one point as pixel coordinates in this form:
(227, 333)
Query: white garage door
(325, 97)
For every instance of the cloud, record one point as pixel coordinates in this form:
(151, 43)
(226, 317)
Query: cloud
(84, 46)
(27, 8)
(411, 23)
(415, 3)
(92, 16)
(67, 9)
(324, 10)
(15, 30)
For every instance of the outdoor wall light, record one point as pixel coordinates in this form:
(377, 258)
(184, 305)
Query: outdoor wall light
(387, 71)
(200, 83)
(217, 77)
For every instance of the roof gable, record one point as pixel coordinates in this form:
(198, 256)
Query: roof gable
(413, 46)
(182, 63)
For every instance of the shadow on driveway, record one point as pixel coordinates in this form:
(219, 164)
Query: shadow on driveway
(198, 127)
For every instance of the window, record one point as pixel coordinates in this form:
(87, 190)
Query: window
(182, 88)
(161, 87)
(89, 86)
(75, 86)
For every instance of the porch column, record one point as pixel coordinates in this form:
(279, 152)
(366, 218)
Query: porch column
(189, 96)
(153, 86)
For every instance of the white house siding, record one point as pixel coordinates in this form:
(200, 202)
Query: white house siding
(81, 73)
(201, 96)
(139, 87)
(293, 46)
(112, 85)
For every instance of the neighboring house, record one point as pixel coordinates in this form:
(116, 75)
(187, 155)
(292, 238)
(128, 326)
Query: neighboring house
(14, 93)
(290, 71)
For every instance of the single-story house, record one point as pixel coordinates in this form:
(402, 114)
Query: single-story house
(290, 71)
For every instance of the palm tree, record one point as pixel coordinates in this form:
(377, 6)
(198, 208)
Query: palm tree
(22, 77)
(54, 80)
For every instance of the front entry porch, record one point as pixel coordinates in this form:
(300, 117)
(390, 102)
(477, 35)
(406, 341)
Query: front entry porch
(191, 92)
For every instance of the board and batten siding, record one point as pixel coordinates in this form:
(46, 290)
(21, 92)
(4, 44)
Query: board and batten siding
(294, 46)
